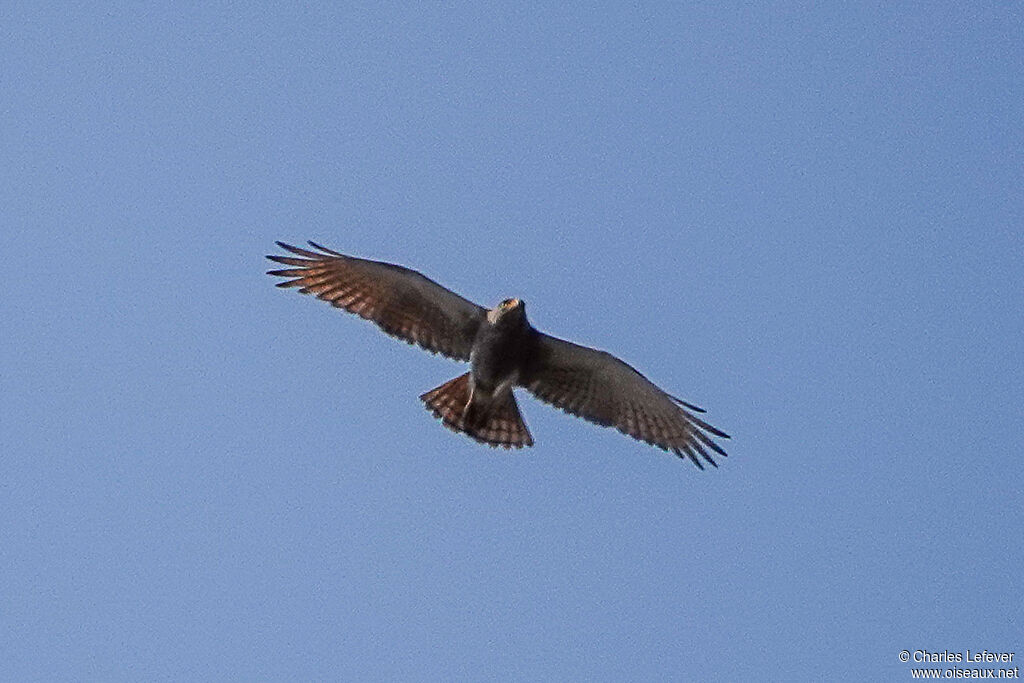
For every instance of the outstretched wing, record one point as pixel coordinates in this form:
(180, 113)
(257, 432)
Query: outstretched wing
(403, 302)
(599, 387)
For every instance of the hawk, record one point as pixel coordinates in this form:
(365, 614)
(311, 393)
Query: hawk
(504, 352)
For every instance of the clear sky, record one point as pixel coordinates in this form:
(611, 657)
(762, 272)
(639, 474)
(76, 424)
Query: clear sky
(806, 218)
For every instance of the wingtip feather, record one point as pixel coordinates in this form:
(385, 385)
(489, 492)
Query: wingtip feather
(691, 406)
(299, 251)
(685, 452)
(701, 437)
(324, 249)
(704, 453)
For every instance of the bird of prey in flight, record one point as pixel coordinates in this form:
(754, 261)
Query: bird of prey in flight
(504, 351)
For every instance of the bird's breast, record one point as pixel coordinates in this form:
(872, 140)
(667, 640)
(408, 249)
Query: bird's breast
(497, 357)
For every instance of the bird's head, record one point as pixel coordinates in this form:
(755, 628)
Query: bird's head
(509, 310)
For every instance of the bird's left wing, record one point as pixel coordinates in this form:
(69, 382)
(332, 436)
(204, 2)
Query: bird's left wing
(402, 302)
(599, 387)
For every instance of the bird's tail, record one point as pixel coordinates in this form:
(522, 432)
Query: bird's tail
(497, 422)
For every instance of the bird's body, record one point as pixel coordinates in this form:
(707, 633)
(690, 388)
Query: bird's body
(501, 346)
(504, 351)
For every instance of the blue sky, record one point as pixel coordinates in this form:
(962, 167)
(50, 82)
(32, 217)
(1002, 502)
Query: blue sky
(807, 219)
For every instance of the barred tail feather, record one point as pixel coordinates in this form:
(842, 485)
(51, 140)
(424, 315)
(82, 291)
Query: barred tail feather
(448, 401)
(498, 423)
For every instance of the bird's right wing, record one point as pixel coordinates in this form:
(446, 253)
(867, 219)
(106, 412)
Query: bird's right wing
(402, 302)
(599, 387)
